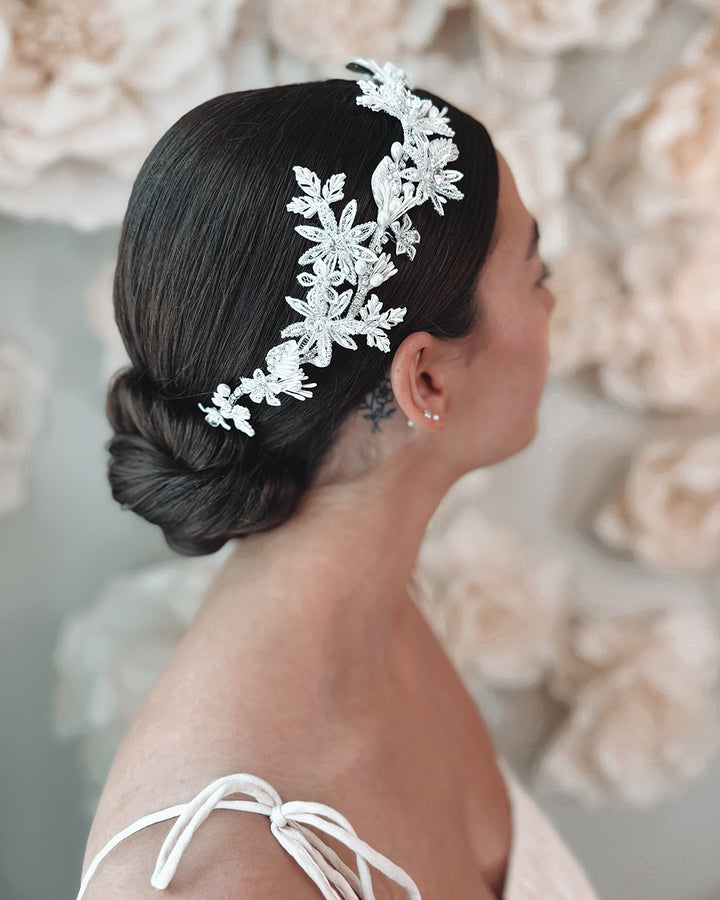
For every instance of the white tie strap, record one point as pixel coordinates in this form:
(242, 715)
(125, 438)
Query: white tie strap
(288, 823)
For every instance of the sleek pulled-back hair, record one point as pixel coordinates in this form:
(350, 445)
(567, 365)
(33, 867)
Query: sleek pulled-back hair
(207, 255)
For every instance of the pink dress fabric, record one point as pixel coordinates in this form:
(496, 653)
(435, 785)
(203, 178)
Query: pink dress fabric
(540, 864)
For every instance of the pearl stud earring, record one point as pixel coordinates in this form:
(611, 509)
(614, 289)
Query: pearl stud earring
(428, 415)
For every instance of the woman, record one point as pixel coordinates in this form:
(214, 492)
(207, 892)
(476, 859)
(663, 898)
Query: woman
(308, 667)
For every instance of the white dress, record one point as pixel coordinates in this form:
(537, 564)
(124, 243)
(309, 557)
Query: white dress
(540, 865)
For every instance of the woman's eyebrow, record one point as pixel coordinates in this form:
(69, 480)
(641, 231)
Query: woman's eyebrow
(535, 239)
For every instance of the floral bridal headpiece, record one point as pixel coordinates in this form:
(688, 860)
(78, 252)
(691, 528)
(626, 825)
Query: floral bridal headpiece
(344, 253)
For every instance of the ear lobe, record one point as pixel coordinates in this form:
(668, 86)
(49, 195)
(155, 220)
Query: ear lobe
(416, 376)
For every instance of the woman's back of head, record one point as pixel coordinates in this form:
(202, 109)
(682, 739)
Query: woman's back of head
(207, 255)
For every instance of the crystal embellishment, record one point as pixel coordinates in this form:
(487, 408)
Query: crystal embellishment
(344, 251)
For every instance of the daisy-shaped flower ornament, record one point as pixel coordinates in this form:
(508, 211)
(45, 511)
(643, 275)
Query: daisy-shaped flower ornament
(344, 251)
(324, 323)
(435, 182)
(338, 242)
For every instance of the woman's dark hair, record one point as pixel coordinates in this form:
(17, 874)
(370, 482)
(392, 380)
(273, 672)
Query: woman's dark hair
(207, 255)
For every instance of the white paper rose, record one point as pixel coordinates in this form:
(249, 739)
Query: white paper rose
(338, 30)
(108, 657)
(664, 352)
(509, 68)
(513, 69)
(87, 88)
(495, 603)
(23, 388)
(658, 154)
(667, 511)
(587, 294)
(540, 150)
(551, 26)
(101, 319)
(645, 716)
(594, 646)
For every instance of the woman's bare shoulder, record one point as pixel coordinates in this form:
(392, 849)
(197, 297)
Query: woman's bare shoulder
(188, 733)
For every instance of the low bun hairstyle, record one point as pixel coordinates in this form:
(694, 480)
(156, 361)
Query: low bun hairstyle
(207, 255)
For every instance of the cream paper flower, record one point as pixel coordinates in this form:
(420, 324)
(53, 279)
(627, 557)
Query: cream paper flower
(664, 352)
(495, 603)
(23, 386)
(645, 716)
(551, 26)
(530, 133)
(101, 319)
(667, 511)
(108, 657)
(338, 30)
(540, 151)
(658, 154)
(513, 69)
(588, 295)
(88, 86)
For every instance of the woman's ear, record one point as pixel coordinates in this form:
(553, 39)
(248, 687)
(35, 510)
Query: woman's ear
(419, 377)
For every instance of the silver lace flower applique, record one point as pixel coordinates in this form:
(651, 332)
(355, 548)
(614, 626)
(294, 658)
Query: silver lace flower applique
(344, 251)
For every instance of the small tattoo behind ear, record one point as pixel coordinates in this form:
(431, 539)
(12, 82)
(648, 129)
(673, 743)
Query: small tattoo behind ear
(379, 404)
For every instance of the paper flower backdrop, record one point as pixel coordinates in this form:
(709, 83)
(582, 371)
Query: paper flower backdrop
(495, 603)
(86, 89)
(659, 153)
(101, 321)
(339, 30)
(667, 510)
(109, 656)
(666, 336)
(23, 389)
(88, 86)
(645, 713)
(589, 301)
(546, 26)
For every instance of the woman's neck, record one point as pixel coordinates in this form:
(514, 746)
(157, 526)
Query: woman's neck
(336, 574)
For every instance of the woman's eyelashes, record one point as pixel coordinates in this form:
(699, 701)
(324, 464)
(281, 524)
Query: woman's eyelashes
(544, 275)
